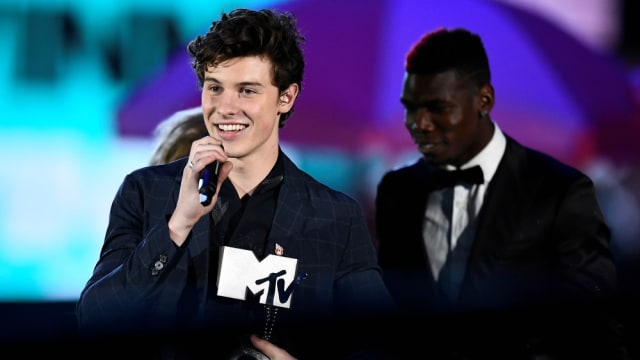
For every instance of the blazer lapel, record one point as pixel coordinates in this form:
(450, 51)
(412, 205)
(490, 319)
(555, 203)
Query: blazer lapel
(288, 210)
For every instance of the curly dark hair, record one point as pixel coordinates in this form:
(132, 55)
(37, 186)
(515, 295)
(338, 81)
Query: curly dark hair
(244, 32)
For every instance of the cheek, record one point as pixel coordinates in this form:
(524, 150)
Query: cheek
(455, 132)
(210, 129)
(209, 106)
(457, 120)
(206, 100)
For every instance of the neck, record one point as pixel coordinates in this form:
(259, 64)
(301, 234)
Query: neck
(249, 172)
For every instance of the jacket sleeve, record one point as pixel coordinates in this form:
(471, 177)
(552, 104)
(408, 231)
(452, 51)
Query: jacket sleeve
(585, 264)
(140, 273)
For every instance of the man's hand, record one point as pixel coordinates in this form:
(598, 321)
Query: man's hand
(189, 209)
(269, 349)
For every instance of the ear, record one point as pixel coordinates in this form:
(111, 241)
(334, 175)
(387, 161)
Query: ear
(487, 99)
(287, 98)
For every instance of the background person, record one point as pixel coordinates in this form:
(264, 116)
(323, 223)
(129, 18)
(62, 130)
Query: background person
(517, 244)
(175, 134)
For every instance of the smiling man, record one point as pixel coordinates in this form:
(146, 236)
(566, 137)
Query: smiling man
(160, 271)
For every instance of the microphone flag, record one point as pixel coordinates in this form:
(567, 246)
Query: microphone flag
(272, 279)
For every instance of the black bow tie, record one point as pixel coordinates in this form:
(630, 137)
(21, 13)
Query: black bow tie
(472, 175)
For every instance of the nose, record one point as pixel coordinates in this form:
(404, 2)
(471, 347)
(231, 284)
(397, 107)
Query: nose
(228, 103)
(420, 121)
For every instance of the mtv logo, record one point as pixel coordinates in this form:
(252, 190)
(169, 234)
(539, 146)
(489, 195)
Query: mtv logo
(272, 279)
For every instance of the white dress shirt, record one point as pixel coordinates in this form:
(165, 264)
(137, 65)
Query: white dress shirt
(450, 220)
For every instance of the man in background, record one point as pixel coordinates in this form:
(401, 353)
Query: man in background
(501, 251)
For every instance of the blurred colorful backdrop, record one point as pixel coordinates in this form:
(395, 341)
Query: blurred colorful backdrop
(83, 85)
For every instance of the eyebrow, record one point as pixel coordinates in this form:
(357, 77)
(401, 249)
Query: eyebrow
(425, 103)
(242, 83)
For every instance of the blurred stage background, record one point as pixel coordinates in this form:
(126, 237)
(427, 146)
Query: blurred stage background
(83, 84)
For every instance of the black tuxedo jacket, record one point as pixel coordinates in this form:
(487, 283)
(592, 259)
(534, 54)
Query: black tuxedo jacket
(541, 241)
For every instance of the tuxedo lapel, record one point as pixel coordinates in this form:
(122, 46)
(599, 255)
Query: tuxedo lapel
(496, 218)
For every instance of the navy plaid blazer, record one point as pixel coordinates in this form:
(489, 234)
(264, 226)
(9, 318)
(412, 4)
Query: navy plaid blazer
(141, 275)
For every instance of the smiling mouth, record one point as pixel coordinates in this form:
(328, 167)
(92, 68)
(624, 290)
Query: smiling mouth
(426, 147)
(231, 127)
(424, 144)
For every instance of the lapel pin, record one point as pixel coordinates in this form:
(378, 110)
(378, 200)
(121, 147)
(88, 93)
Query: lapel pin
(279, 249)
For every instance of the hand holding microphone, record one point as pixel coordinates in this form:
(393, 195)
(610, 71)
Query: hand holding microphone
(207, 167)
(209, 176)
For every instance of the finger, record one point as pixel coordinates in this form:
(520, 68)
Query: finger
(205, 154)
(262, 345)
(269, 349)
(224, 171)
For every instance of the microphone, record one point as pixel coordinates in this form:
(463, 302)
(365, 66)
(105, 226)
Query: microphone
(208, 182)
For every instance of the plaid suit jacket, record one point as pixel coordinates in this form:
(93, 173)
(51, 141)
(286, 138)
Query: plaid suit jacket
(141, 275)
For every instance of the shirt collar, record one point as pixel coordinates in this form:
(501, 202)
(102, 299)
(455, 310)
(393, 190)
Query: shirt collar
(274, 178)
(489, 157)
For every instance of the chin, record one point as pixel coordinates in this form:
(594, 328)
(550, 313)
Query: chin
(432, 159)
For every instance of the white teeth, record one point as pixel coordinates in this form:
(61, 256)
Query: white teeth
(231, 127)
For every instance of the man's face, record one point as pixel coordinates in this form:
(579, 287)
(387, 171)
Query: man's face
(242, 107)
(442, 116)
